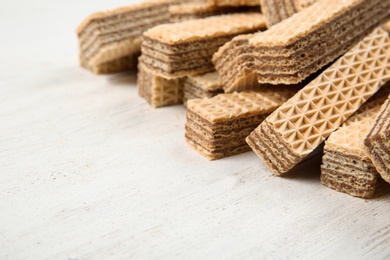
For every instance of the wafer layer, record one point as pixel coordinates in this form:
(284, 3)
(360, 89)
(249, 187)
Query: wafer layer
(293, 49)
(186, 48)
(114, 34)
(346, 166)
(276, 11)
(203, 86)
(216, 127)
(189, 11)
(377, 141)
(157, 90)
(296, 128)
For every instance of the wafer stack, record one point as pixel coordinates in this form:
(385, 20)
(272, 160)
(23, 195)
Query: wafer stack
(216, 127)
(185, 49)
(276, 11)
(203, 86)
(235, 63)
(346, 166)
(107, 39)
(189, 11)
(293, 49)
(377, 143)
(297, 127)
(158, 91)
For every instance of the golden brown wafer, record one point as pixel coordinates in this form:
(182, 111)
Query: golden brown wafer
(216, 127)
(185, 49)
(297, 127)
(157, 90)
(207, 85)
(346, 166)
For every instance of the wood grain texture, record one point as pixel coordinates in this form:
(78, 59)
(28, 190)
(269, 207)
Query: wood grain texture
(88, 170)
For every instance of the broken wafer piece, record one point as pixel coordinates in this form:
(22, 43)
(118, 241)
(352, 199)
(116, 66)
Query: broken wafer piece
(207, 85)
(377, 141)
(346, 166)
(276, 11)
(185, 49)
(301, 124)
(293, 49)
(216, 127)
(189, 11)
(109, 37)
(158, 91)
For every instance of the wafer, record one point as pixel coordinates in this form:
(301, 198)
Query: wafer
(346, 166)
(158, 91)
(293, 49)
(111, 36)
(202, 86)
(377, 143)
(185, 49)
(297, 127)
(216, 127)
(276, 11)
(189, 11)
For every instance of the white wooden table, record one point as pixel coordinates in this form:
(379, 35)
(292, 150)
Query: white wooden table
(88, 170)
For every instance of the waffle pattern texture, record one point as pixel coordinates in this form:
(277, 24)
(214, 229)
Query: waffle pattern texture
(296, 128)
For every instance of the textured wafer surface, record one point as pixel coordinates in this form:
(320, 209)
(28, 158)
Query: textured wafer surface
(293, 49)
(346, 166)
(216, 127)
(158, 91)
(193, 30)
(296, 128)
(377, 143)
(207, 85)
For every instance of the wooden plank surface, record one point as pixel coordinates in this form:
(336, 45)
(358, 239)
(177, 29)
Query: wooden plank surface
(88, 170)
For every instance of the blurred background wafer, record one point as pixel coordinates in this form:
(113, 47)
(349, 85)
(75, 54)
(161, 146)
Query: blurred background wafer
(301, 124)
(346, 166)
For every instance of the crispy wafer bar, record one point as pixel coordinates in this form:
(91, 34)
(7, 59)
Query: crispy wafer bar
(207, 85)
(216, 127)
(293, 49)
(112, 35)
(186, 48)
(346, 166)
(377, 141)
(189, 11)
(276, 11)
(157, 90)
(297, 127)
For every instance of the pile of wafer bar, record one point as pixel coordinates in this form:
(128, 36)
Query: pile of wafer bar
(288, 79)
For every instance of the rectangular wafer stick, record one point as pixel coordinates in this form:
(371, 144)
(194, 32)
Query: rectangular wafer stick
(189, 11)
(158, 91)
(109, 37)
(293, 49)
(377, 144)
(346, 166)
(185, 49)
(203, 86)
(297, 127)
(216, 127)
(276, 11)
